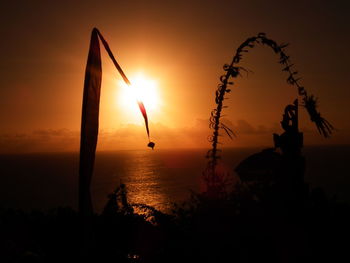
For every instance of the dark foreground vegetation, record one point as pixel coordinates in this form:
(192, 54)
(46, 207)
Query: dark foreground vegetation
(251, 224)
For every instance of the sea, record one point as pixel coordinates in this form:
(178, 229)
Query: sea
(159, 178)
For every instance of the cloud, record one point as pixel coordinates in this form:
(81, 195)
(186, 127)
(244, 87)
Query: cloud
(39, 141)
(133, 136)
(52, 132)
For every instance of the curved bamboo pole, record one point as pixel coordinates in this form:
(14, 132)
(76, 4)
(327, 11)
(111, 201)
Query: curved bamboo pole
(232, 71)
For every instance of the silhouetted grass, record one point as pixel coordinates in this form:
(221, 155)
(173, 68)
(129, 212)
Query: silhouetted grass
(249, 225)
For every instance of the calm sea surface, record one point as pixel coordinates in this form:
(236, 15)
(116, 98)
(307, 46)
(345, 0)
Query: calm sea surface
(156, 178)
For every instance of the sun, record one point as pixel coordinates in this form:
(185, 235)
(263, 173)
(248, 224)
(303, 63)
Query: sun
(142, 89)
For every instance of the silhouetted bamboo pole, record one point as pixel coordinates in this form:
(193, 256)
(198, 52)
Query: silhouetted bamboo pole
(233, 70)
(89, 130)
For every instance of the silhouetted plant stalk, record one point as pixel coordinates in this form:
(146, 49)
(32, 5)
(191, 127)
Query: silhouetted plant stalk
(215, 180)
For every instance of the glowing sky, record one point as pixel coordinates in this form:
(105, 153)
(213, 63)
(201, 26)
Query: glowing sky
(182, 46)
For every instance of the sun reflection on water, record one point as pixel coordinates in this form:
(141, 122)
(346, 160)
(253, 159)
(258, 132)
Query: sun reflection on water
(154, 178)
(143, 180)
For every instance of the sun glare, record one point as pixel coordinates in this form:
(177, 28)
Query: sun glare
(141, 89)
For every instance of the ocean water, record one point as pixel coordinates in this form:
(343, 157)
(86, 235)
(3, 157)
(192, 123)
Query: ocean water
(158, 178)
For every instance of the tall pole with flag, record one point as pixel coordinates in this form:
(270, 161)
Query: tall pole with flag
(89, 129)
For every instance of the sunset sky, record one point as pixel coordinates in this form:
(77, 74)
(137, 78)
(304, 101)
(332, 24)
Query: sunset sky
(180, 48)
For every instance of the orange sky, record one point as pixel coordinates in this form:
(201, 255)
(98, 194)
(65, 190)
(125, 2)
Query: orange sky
(183, 46)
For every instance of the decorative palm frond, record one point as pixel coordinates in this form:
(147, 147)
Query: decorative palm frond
(323, 126)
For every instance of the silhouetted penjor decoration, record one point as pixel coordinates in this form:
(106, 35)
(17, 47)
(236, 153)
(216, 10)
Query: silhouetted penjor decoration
(233, 70)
